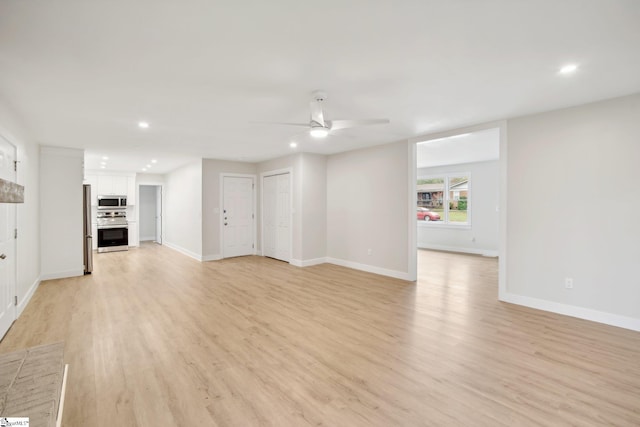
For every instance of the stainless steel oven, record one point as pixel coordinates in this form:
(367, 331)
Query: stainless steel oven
(113, 231)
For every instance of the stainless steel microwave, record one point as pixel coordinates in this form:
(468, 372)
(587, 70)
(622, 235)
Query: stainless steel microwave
(112, 202)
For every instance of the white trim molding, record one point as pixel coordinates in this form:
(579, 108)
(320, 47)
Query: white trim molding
(403, 275)
(63, 274)
(412, 264)
(215, 257)
(474, 251)
(27, 297)
(573, 311)
(183, 251)
(307, 262)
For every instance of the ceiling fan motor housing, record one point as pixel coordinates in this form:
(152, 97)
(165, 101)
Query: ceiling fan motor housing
(319, 95)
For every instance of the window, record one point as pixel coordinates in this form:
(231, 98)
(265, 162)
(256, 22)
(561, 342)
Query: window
(444, 199)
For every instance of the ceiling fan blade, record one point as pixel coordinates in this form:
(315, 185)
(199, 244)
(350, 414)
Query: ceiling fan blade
(281, 123)
(317, 117)
(345, 124)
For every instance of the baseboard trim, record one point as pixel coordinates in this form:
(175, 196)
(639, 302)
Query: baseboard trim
(307, 262)
(216, 257)
(370, 268)
(183, 251)
(475, 251)
(573, 311)
(62, 274)
(23, 304)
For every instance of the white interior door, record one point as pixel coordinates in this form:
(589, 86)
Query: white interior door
(7, 242)
(159, 214)
(277, 216)
(269, 212)
(237, 215)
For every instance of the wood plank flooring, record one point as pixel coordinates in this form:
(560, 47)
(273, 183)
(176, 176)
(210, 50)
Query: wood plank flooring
(155, 338)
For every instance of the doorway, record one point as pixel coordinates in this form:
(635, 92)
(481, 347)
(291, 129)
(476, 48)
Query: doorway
(8, 261)
(457, 190)
(150, 213)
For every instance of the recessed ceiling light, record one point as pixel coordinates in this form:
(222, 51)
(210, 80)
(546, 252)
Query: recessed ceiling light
(144, 169)
(154, 161)
(319, 132)
(148, 166)
(105, 158)
(102, 167)
(568, 69)
(293, 145)
(143, 125)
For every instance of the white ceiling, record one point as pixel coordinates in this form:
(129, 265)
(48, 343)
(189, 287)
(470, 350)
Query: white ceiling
(83, 73)
(479, 146)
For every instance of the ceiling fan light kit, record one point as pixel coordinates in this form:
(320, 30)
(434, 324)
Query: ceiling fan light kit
(319, 132)
(320, 128)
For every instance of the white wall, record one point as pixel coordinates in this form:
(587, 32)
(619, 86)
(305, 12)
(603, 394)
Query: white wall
(28, 213)
(61, 235)
(367, 208)
(183, 210)
(149, 179)
(313, 208)
(211, 170)
(147, 212)
(483, 236)
(573, 207)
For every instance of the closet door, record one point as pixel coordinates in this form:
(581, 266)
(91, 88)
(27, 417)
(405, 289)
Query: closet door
(277, 216)
(8, 260)
(270, 212)
(283, 218)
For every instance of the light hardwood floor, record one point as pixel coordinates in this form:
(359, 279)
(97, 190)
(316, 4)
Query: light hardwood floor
(155, 338)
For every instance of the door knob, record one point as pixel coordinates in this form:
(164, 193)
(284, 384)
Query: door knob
(224, 224)
(3, 256)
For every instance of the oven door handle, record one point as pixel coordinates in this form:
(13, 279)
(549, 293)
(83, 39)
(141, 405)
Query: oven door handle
(107, 227)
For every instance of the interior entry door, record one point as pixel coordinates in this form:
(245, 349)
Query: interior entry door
(237, 216)
(276, 198)
(7, 241)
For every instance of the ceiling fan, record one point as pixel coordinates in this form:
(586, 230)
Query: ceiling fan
(320, 128)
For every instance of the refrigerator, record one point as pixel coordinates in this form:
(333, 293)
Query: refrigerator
(87, 239)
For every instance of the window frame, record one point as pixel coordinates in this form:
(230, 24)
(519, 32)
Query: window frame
(444, 221)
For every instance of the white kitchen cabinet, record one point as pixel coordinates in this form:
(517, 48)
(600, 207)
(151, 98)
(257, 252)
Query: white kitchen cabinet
(133, 234)
(105, 184)
(120, 186)
(113, 185)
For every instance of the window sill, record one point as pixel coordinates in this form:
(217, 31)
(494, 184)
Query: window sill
(439, 224)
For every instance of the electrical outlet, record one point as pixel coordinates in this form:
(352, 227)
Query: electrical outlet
(568, 283)
(369, 251)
